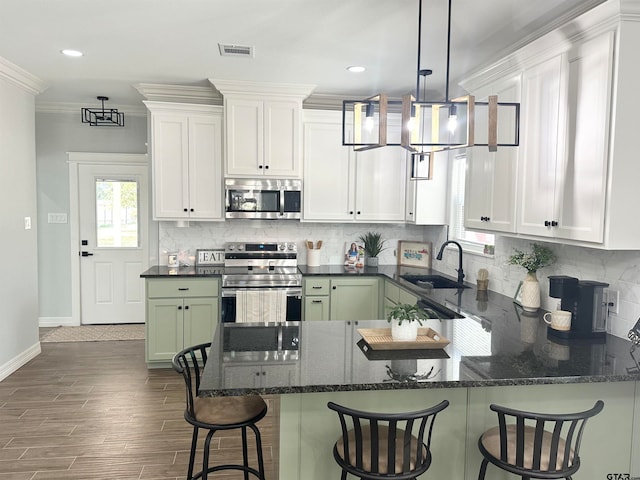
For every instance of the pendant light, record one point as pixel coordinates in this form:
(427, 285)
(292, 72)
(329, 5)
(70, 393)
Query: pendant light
(428, 126)
(102, 117)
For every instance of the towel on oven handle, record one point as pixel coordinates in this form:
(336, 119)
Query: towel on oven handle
(261, 306)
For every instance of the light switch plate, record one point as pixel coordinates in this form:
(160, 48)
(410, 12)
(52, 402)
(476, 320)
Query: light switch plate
(27, 223)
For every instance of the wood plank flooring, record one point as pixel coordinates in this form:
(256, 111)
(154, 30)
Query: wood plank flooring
(93, 411)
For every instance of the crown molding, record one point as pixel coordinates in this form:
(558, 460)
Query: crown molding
(21, 78)
(319, 101)
(588, 19)
(179, 93)
(238, 87)
(69, 107)
(178, 107)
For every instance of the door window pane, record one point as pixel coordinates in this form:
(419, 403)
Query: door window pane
(117, 213)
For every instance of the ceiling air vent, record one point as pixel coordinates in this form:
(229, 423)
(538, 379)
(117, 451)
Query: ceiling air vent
(229, 50)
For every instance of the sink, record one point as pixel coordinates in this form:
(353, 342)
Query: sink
(432, 281)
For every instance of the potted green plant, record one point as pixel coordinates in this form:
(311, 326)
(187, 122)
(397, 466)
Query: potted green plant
(529, 291)
(373, 245)
(405, 319)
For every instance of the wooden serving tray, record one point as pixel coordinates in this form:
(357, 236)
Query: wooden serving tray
(380, 339)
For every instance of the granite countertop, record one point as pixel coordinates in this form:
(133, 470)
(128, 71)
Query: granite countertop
(512, 350)
(493, 342)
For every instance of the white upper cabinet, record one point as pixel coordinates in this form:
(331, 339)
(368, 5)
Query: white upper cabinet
(186, 152)
(263, 128)
(564, 161)
(577, 167)
(543, 114)
(342, 185)
(490, 182)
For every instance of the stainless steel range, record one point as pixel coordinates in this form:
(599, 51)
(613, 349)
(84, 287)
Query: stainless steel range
(258, 266)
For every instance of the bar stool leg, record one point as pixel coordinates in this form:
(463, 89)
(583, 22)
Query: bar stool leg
(245, 453)
(483, 469)
(259, 448)
(205, 456)
(192, 455)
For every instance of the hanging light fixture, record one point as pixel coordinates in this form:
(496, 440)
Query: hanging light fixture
(101, 117)
(428, 126)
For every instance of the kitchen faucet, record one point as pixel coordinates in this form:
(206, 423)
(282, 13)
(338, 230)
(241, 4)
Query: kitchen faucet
(460, 271)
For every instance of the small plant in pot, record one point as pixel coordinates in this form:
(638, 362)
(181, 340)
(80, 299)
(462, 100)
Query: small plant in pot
(405, 320)
(373, 245)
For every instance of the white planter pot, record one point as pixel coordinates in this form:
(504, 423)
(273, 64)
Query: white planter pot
(405, 332)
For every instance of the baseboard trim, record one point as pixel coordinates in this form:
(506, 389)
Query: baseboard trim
(17, 362)
(57, 322)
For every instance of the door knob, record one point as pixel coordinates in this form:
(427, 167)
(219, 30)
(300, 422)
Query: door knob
(86, 254)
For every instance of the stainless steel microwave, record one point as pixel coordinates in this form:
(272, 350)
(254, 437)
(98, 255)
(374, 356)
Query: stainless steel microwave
(263, 198)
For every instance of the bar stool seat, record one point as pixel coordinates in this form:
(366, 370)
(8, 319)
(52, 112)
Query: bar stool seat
(376, 446)
(535, 445)
(217, 413)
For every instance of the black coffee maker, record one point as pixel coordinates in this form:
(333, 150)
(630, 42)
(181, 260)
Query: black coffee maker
(585, 300)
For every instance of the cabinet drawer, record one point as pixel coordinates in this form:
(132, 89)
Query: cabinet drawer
(316, 286)
(406, 297)
(177, 287)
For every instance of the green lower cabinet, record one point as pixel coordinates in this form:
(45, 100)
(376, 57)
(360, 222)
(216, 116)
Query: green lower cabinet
(355, 299)
(165, 328)
(177, 323)
(181, 312)
(316, 308)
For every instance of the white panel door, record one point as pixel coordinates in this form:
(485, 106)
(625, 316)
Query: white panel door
(113, 243)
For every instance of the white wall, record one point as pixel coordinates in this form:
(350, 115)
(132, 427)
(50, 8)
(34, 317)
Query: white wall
(57, 134)
(18, 246)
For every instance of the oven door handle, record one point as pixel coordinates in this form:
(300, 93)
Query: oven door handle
(290, 292)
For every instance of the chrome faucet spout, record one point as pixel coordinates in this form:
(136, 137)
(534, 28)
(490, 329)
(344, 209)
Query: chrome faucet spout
(460, 271)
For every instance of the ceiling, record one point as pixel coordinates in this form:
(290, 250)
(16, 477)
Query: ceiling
(127, 42)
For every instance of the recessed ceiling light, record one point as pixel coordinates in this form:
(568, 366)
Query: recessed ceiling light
(356, 69)
(71, 53)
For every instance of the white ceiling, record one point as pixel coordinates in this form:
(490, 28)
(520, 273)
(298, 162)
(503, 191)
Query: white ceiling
(126, 42)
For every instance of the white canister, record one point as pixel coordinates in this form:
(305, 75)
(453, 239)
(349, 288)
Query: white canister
(313, 257)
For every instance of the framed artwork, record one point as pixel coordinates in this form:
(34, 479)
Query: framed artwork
(517, 298)
(414, 254)
(209, 257)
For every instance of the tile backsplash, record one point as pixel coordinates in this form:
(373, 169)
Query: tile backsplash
(214, 235)
(620, 269)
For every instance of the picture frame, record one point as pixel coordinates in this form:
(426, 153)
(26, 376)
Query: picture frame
(517, 298)
(354, 254)
(209, 256)
(414, 254)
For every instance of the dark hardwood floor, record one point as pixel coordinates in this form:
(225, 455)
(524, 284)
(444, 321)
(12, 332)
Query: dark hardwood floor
(93, 411)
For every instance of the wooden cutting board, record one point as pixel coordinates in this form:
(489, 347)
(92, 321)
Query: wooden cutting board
(380, 339)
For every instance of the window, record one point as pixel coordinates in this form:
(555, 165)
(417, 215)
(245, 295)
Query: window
(471, 241)
(117, 213)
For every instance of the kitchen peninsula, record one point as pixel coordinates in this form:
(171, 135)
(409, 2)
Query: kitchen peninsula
(498, 354)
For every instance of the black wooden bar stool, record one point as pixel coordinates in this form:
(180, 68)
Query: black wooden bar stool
(376, 446)
(217, 413)
(535, 445)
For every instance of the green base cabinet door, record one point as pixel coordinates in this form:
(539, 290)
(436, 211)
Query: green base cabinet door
(355, 299)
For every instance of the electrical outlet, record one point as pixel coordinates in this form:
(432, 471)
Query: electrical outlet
(613, 301)
(505, 273)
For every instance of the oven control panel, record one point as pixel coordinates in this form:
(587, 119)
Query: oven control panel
(259, 248)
